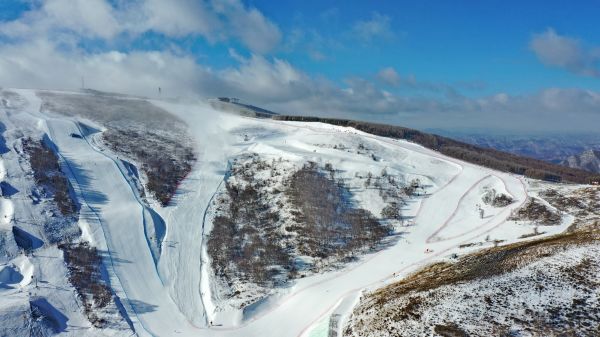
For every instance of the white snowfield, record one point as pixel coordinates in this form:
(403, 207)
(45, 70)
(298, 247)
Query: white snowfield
(173, 297)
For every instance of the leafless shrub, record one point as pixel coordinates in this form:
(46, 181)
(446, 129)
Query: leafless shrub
(84, 263)
(538, 213)
(582, 202)
(413, 187)
(496, 199)
(244, 242)
(252, 241)
(164, 161)
(47, 174)
(327, 222)
(392, 211)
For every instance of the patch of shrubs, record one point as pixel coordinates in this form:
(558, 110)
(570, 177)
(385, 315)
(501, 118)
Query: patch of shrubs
(327, 222)
(538, 213)
(165, 161)
(84, 263)
(245, 242)
(268, 217)
(494, 199)
(48, 176)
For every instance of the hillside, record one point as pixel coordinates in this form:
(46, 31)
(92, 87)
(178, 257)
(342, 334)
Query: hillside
(124, 215)
(541, 287)
(484, 156)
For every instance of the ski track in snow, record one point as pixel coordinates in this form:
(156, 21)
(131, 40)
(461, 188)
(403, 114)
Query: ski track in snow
(172, 297)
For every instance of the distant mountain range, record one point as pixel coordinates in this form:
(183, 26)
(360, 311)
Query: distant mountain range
(588, 160)
(574, 150)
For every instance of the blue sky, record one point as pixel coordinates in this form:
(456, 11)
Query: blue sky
(448, 41)
(480, 64)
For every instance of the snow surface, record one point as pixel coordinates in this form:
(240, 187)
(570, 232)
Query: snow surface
(173, 296)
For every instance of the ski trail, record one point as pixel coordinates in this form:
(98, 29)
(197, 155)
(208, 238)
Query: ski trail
(110, 198)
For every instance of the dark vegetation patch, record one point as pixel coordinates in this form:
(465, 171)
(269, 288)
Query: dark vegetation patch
(84, 264)
(537, 213)
(136, 128)
(492, 198)
(326, 221)
(245, 242)
(48, 176)
(482, 156)
(51, 183)
(449, 330)
(393, 192)
(275, 223)
(164, 161)
(583, 202)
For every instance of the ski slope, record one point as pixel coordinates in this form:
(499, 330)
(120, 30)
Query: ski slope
(173, 296)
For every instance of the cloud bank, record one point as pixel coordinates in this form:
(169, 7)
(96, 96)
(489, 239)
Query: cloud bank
(43, 49)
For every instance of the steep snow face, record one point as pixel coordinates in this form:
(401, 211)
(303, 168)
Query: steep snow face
(171, 289)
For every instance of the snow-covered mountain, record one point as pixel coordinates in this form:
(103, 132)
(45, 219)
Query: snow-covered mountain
(588, 160)
(171, 218)
(551, 147)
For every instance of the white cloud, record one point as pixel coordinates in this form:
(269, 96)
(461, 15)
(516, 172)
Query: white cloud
(92, 18)
(40, 64)
(378, 26)
(389, 76)
(249, 25)
(175, 18)
(278, 85)
(565, 52)
(259, 79)
(215, 21)
(37, 58)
